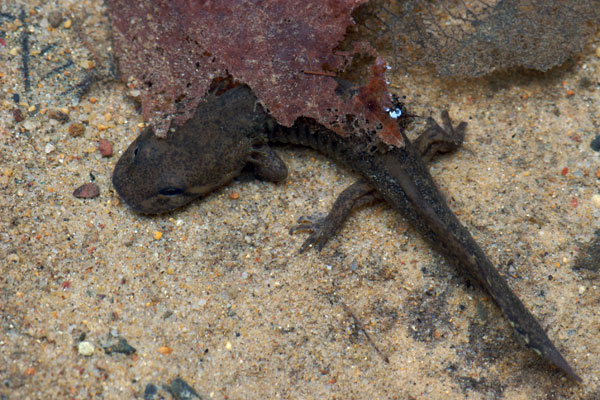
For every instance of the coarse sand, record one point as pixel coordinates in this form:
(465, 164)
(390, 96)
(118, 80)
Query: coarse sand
(217, 295)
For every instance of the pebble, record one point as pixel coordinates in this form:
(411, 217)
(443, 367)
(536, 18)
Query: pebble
(595, 145)
(105, 148)
(596, 200)
(17, 115)
(55, 18)
(49, 148)
(85, 348)
(121, 346)
(87, 191)
(76, 129)
(30, 125)
(85, 63)
(182, 390)
(150, 392)
(59, 116)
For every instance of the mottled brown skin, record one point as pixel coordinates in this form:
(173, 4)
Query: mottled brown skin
(231, 130)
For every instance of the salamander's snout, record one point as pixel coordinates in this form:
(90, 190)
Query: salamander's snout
(147, 176)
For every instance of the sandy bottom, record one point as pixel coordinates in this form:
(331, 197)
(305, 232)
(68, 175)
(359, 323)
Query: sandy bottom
(216, 294)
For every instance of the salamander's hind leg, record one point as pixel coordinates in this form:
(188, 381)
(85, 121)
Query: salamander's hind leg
(324, 228)
(435, 139)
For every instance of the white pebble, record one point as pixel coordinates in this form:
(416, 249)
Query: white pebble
(49, 148)
(29, 124)
(596, 200)
(85, 348)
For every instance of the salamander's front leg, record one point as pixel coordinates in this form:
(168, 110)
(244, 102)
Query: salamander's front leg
(354, 196)
(267, 164)
(431, 141)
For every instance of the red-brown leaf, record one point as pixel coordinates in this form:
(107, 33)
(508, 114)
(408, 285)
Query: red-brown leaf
(172, 50)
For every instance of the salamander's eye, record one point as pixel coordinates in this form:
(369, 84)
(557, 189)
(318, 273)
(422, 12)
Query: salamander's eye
(171, 191)
(135, 153)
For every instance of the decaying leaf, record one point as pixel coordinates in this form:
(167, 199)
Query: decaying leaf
(170, 51)
(476, 37)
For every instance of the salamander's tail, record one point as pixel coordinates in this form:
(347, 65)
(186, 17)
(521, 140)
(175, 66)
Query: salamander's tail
(441, 227)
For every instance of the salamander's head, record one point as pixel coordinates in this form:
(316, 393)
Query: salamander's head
(157, 175)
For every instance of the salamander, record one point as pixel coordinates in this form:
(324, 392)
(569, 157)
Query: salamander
(231, 130)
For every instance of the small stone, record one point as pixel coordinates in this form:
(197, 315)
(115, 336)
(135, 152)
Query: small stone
(59, 116)
(596, 200)
(29, 124)
(87, 191)
(55, 18)
(49, 148)
(17, 115)
(150, 392)
(582, 289)
(68, 23)
(157, 235)
(585, 83)
(76, 129)
(85, 63)
(120, 347)
(85, 348)
(165, 350)
(182, 390)
(595, 145)
(234, 195)
(102, 365)
(105, 148)
(12, 257)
